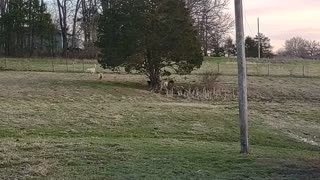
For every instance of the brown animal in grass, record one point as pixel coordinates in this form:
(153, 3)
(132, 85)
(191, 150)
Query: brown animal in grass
(100, 76)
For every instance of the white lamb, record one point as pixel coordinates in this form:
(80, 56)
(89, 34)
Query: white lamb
(164, 85)
(92, 70)
(100, 76)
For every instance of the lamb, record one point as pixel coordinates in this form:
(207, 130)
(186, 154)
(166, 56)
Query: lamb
(164, 85)
(167, 85)
(100, 76)
(92, 70)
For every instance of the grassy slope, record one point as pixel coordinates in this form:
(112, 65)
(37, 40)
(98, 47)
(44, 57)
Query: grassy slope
(72, 126)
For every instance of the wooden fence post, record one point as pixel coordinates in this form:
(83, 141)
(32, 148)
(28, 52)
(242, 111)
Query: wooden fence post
(82, 65)
(52, 64)
(5, 63)
(28, 64)
(67, 64)
(73, 65)
(269, 68)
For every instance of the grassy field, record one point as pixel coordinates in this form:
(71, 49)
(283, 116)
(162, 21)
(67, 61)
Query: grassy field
(224, 66)
(72, 126)
(46, 65)
(263, 67)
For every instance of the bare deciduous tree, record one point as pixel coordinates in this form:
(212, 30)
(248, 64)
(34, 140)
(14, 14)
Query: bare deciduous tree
(296, 47)
(3, 6)
(90, 15)
(74, 25)
(301, 48)
(313, 48)
(212, 21)
(62, 7)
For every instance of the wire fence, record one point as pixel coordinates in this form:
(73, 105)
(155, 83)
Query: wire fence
(47, 65)
(264, 68)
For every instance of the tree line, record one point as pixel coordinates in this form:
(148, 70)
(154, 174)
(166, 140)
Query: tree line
(28, 28)
(70, 28)
(64, 27)
(295, 47)
(251, 47)
(298, 47)
(25, 27)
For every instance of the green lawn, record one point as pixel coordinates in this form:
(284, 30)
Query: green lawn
(73, 126)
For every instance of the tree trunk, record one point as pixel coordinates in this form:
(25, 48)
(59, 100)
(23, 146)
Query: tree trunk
(30, 29)
(84, 19)
(64, 43)
(63, 24)
(154, 81)
(153, 72)
(75, 24)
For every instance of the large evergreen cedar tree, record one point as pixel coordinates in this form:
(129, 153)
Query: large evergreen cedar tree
(149, 36)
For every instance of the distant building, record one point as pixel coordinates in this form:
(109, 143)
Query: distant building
(55, 44)
(78, 44)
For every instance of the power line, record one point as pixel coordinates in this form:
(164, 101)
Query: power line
(245, 17)
(259, 41)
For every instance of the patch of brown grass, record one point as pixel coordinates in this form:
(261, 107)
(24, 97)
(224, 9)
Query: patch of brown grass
(41, 169)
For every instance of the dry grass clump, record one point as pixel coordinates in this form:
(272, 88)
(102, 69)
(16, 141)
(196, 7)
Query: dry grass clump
(207, 88)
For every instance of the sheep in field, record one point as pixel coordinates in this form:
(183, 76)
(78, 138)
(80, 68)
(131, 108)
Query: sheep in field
(92, 70)
(100, 76)
(164, 85)
(167, 85)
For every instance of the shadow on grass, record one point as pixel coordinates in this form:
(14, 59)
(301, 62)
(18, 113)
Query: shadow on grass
(101, 84)
(297, 169)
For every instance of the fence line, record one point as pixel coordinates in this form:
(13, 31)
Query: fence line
(266, 68)
(300, 69)
(46, 65)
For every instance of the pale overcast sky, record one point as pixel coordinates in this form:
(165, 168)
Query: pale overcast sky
(282, 19)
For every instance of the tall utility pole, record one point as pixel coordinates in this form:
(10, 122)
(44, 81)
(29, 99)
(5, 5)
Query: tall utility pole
(259, 40)
(242, 77)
